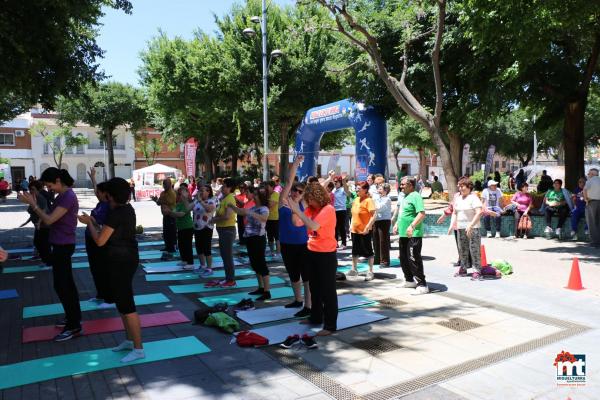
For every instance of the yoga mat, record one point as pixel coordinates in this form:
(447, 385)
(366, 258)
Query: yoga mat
(280, 313)
(43, 369)
(38, 268)
(170, 266)
(105, 325)
(234, 298)
(194, 275)
(346, 319)
(199, 287)
(57, 308)
(8, 294)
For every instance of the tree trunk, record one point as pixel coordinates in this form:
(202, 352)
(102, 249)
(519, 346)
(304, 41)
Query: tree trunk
(574, 141)
(234, 161)
(396, 152)
(525, 160)
(207, 162)
(108, 140)
(456, 150)
(284, 150)
(422, 163)
(442, 150)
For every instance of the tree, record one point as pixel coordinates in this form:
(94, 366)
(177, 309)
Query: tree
(407, 133)
(547, 59)
(48, 49)
(59, 140)
(106, 106)
(149, 147)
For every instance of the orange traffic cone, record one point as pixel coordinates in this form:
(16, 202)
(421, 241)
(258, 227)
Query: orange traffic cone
(575, 277)
(484, 262)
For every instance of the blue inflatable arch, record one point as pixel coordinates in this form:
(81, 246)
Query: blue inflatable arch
(371, 136)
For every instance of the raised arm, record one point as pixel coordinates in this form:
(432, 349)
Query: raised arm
(57, 214)
(289, 181)
(92, 174)
(301, 219)
(330, 176)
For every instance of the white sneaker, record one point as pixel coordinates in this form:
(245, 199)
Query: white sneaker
(352, 272)
(558, 232)
(525, 237)
(369, 276)
(125, 345)
(512, 237)
(498, 235)
(409, 285)
(586, 232)
(135, 354)
(421, 290)
(548, 230)
(489, 234)
(181, 264)
(188, 267)
(341, 247)
(573, 233)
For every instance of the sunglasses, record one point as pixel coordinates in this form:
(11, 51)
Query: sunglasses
(297, 191)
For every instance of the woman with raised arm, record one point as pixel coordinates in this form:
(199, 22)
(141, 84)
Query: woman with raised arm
(63, 224)
(204, 207)
(293, 241)
(118, 237)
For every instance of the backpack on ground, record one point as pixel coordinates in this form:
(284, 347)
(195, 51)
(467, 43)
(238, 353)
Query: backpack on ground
(250, 339)
(223, 322)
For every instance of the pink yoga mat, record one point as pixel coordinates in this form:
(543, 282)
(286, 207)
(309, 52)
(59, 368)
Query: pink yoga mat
(43, 333)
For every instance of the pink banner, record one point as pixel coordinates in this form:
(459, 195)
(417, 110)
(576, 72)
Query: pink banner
(190, 156)
(146, 193)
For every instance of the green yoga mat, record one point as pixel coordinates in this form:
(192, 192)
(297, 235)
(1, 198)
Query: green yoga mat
(190, 276)
(199, 287)
(234, 298)
(53, 309)
(44, 369)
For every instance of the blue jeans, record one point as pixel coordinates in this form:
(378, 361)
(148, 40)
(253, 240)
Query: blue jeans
(498, 219)
(576, 215)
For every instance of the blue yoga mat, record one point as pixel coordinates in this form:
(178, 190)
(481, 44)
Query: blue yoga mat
(191, 276)
(38, 268)
(57, 308)
(44, 369)
(8, 294)
(234, 298)
(199, 287)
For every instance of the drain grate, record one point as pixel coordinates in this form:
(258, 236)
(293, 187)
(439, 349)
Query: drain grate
(390, 302)
(376, 345)
(459, 324)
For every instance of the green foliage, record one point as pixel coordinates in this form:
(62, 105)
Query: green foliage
(48, 48)
(148, 147)
(59, 140)
(4, 160)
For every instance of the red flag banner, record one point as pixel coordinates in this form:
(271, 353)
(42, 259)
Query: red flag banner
(190, 156)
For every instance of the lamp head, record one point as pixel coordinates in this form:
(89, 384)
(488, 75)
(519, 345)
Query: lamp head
(255, 19)
(249, 32)
(276, 53)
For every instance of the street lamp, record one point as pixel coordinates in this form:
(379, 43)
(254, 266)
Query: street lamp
(535, 143)
(250, 32)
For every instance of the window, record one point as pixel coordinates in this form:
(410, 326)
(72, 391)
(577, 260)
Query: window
(80, 149)
(69, 150)
(504, 164)
(497, 165)
(7, 139)
(81, 172)
(46, 148)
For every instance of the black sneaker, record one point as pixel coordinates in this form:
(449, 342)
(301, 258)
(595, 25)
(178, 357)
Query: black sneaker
(61, 324)
(294, 304)
(264, 296)
(257, 291)
(309, 342)
(166, 257)
(305, 312)
(68, 334)
(290, 341)
(244, 305)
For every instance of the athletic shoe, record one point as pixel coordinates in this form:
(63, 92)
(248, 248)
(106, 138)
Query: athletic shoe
(294, 304)
(512, 237)
(548, 230)
(586, 232)
(206, 272)
(558, 232)
(409, 285)
(290, 341)
(460, 271)
(305, 312)
(476, 276)
(106, 306)
(573, 233)
(525, 237)
(68, 334)
(228, 284)
(188, 267)
(166, 257)
(369, 276)
(341, 247)
(124, 345)
(421, 290)
(244, 305)
(352, 272)
(489, 234)
(309, 341)
(257, 291)
(498, 236)
(96, 300)
(61, 323)
(214, 283)
(135, 354)
(265, 296)
(181, 264)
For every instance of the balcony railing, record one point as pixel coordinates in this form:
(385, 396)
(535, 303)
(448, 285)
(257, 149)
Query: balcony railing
(99, 146)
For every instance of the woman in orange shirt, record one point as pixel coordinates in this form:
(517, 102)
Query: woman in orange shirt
(363, 218)
(319, 219)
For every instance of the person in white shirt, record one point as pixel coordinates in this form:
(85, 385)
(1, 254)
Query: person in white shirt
(491, 201)
(381, 228)
(466, 215)
(591, 195)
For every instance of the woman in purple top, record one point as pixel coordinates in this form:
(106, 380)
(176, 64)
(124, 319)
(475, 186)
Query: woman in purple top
(62, 221)
(96, 254)
(523, 202)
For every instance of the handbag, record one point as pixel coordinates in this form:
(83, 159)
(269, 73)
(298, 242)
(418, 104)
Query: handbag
(524, 224)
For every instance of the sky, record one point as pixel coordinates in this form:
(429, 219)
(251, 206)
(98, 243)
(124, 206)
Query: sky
(123, 36)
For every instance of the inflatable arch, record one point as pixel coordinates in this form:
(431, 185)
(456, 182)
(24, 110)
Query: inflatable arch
(371, 136)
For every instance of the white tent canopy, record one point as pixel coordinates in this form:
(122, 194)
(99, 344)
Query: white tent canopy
(157, 169)
(148, 176)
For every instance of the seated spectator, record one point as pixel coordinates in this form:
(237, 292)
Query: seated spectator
(491, 201)
(523, 202)
(545, 183)
(437, 186)
(556, 201)
(578, 206)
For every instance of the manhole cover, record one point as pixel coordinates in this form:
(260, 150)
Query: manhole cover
(459, 324)
(390, 302)
(376, 345)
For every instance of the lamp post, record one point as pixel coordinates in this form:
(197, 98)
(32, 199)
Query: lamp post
(535, 143)
(250, 32)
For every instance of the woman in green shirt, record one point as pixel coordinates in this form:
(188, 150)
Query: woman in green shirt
(556, 203)
(185, 227)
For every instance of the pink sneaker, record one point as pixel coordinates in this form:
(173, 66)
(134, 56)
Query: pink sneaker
(228, 284)
(214, 283)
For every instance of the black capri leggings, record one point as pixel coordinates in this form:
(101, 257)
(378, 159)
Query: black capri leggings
(256, 254)
(294, 259)
(121, 269)
(272, 228)
(203, 239)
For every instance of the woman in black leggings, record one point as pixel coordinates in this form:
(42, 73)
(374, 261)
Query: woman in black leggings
(118, 235)
(204, 209)
(63, 224)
